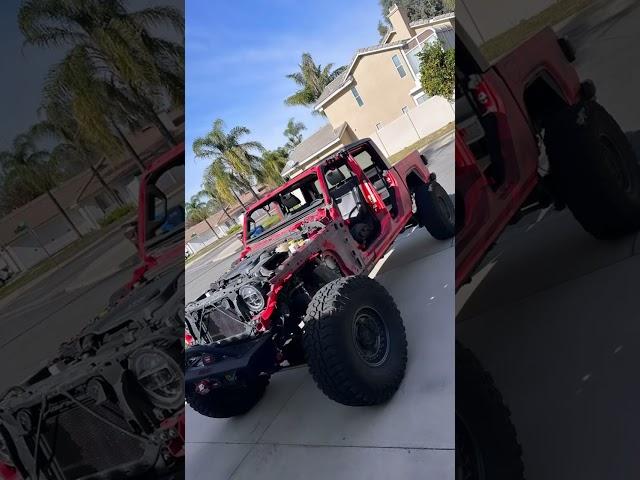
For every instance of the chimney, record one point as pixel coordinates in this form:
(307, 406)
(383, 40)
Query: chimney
(400, 22)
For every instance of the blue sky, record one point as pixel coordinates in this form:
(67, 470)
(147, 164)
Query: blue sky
(238, 54)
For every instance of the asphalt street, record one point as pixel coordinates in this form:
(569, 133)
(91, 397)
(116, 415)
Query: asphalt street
(33, 324)
(553, 313)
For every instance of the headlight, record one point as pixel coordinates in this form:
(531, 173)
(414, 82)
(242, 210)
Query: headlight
(160, 377)
(253, 297)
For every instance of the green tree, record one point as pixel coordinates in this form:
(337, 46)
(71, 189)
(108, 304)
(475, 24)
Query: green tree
(416, 10)
(218, 200)
(234, 161)
(28, 169)
(312, 79)
(89, 108)
(293, 133)
(111, 43)
(272, 164)
(198, 210)
(437, 70)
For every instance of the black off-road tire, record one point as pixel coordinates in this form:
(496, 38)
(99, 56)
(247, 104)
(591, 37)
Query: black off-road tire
(338, 316)
(227, 403)
(594, 169)
(487, 446)
(435, 210)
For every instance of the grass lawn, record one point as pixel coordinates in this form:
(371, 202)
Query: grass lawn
(561, 10)
(423, 142)
(58, 258)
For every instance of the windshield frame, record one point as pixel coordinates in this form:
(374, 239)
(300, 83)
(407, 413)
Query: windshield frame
(325, 200)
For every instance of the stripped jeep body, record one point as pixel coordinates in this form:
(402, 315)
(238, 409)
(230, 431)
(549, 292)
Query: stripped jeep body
(110, 405)
(250, 322)
(325, 233)
(524, 131)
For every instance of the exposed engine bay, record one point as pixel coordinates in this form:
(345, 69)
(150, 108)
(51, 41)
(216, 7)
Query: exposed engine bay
(269, 290)
(121, 375)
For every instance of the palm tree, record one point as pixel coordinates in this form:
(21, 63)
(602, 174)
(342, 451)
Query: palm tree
(272, 164)
(88, 109)
(73, 146)
(215, 202)
(38, 171)
(198, 211)
(221, 185)
(147, 70)
(293, 132)
(230, 155)
(312, 79)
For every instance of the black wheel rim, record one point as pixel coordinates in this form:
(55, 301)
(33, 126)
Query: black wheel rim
(370, 337)
(615, 163)
(469, 465)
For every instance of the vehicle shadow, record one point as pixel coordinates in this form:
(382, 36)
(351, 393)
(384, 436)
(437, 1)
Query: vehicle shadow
(634, 139)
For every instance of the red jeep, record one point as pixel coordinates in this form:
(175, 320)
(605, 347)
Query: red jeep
(529, 134)
(111, 404)
(300, 291)
(156, 232)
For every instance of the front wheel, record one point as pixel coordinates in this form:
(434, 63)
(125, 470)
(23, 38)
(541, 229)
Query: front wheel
(355, 342)
(228, 402)
(435, 210)
(594, 169)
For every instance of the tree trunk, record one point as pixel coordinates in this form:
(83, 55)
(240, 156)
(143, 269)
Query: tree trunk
(64, 214)
(164, 131)
(212, 229)
(148, 107)
(104, 184)
(229, 216)
(238, 199)
(248, 186)
(129, 147)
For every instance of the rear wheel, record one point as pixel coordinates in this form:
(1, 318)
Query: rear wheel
(486, 444)
(355, 341)
(435, 210)
(225, 403)
(594, 169)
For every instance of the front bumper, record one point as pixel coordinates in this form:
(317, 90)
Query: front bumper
(230, 365)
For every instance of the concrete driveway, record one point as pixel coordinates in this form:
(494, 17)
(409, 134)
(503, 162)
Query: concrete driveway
(553, 313)
(296, 432)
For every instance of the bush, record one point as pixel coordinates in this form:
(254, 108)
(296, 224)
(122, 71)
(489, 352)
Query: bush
(116, 214)
(437, 70)
(270, 221)
(236, 228)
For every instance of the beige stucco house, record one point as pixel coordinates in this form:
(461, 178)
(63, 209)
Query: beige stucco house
(380, 86)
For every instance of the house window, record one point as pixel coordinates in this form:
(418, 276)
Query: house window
(422, 98)
(357, 96)
(412, 55)
(405, 110)
(398, 65)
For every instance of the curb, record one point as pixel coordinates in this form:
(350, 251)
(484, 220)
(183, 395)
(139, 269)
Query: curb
(87, 283)
(221, 246)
